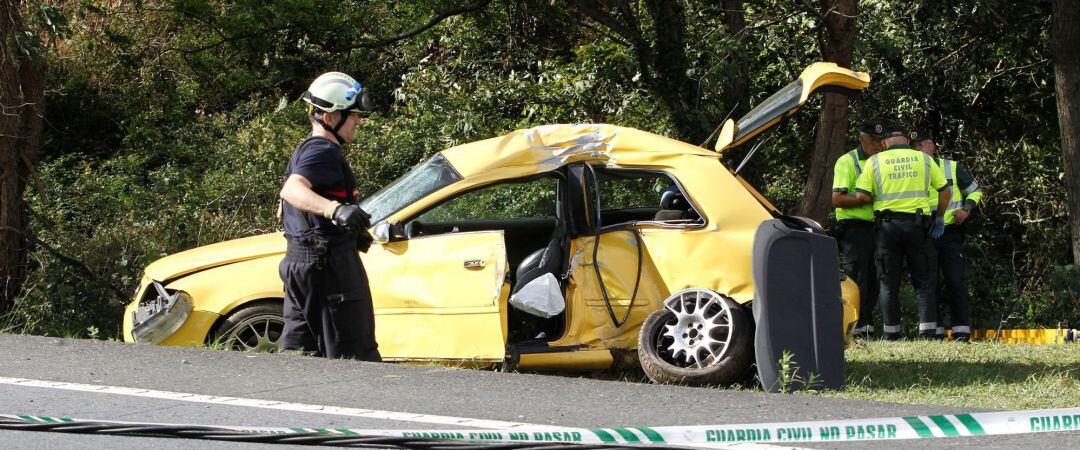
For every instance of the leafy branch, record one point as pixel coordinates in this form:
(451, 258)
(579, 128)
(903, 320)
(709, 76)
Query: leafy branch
(438, 18)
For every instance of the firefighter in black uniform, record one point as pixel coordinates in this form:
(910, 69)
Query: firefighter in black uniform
(328, 309)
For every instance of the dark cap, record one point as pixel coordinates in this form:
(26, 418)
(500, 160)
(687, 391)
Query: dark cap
(893, 130)
(872, 127)
(920, 135)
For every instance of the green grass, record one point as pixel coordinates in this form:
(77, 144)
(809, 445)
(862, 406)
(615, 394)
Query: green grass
(978, 374)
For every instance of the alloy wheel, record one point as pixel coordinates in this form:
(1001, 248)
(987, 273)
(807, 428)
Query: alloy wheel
(259, 333)
(700, 332)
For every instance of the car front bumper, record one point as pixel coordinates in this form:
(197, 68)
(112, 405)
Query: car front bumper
(192, 329)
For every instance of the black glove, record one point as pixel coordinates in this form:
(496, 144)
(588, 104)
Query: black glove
(364, 240)
(351, 216)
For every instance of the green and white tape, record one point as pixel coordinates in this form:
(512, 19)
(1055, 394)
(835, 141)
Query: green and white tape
(893, 428)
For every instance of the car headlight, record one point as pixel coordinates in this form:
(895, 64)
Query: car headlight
(159, 316)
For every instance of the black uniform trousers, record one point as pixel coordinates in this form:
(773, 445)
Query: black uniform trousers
(857, 242)
(900, 239)
(950, 261)
(328, 310)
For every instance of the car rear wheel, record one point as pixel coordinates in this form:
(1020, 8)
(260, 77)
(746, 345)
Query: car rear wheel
(255, 328)
(699, 338)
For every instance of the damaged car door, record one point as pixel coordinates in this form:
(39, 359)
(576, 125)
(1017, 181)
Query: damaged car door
(615, 283)
(438, 297)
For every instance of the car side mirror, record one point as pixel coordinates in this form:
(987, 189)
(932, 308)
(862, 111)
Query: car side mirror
(382, 233)
(388, 232)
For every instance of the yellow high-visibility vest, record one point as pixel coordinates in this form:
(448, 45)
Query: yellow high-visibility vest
(846, 172)
(899, 178)
(957, 196)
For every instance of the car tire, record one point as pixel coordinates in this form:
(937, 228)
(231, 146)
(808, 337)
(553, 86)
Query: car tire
(725, 358)
(254, 328)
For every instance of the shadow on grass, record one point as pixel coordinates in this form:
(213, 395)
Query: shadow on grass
(904, 374)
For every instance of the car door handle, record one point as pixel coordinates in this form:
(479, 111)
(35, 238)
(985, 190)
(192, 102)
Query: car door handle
(475, 264)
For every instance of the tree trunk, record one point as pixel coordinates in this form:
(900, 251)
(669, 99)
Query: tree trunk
(21, 94)
(837, 46)
(736, 95)
(1064, 41)
(670, 65)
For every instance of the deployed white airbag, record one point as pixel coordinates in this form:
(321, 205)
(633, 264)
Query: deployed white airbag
(541, 297)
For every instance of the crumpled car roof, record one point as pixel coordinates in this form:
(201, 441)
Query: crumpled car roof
(548, 147)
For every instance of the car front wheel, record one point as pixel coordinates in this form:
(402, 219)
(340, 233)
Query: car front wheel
(699, 338)
(255, 328)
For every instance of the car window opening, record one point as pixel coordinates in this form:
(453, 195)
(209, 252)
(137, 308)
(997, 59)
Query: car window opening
(642, 197)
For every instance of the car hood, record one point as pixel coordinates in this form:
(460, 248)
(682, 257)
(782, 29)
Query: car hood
(214, 255)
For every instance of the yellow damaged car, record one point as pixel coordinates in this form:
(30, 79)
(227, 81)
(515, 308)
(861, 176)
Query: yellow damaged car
(560, 247)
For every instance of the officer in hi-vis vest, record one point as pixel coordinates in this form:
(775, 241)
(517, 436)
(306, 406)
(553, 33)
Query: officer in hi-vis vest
(854, 226)
(964, 195)
(896, 181)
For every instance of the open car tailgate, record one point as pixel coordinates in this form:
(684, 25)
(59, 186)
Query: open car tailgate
(818, 77)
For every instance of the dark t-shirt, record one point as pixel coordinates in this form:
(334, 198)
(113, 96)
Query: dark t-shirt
(320, 161)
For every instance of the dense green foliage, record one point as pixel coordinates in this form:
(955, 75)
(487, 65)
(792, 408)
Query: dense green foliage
(169, 122)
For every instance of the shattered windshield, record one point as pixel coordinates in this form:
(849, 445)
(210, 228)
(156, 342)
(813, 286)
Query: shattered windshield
(779, 103)
(427, 177)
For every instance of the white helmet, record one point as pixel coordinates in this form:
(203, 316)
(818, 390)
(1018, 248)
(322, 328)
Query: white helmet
(335, 91)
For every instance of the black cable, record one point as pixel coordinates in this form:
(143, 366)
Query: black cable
(721, 126)
(637, 282)
(596, 263)
(322, 439)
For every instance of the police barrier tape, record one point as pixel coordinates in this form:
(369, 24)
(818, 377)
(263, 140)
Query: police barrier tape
(893, 428)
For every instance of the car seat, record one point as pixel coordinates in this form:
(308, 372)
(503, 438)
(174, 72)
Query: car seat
(673, 205)
(545, 260)
(524, 327)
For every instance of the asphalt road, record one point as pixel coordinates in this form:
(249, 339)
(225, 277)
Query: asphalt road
(402, 397)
